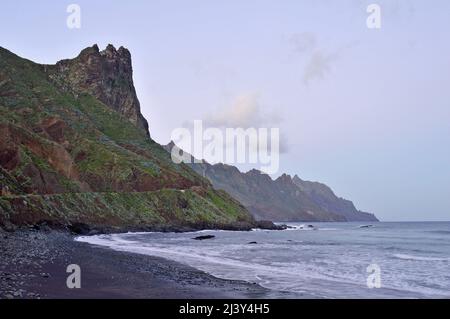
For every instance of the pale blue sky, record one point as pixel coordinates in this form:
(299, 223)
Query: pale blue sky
(365, 111)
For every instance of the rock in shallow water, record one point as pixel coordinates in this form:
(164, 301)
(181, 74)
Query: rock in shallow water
(204, 237)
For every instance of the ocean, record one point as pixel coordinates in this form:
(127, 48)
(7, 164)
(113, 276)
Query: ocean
(328, 260)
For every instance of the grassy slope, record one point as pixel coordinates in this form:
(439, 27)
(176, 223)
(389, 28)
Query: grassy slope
(112, 159)
(163, 209)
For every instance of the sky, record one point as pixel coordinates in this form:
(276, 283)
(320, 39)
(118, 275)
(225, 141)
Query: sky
(366, 111)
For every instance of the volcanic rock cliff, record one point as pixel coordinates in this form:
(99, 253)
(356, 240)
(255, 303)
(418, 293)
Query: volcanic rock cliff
(75, 149)
(107, 75)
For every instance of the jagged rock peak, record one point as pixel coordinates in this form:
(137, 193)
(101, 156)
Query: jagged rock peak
(284, 178)
(87, 51)
(107, 75)
(110, 52)
(255, 171)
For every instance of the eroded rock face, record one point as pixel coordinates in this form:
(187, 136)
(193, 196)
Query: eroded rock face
(9, 151)
(55, 129)
(107, 75)
(13, 138)
(9, 157)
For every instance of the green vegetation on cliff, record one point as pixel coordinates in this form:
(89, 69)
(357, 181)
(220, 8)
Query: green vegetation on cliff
(68, 156)
(164, 209)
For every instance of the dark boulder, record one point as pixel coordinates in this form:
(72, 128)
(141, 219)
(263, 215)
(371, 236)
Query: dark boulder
(266, 224)
(80, 229)
(204, 237)
(8, 226)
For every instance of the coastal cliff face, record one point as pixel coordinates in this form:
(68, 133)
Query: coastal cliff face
(324, 197)
(106, 75)
(282, 199)
(74, 148)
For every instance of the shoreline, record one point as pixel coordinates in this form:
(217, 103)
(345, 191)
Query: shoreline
(33, 265)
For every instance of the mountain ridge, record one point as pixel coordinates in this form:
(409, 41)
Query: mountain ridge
(284, 199)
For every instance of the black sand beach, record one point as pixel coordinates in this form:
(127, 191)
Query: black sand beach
(33, 265)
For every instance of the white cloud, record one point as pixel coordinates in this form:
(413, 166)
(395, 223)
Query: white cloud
(244, 111)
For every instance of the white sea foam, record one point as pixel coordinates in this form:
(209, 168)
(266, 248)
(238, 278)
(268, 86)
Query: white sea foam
(301, 227)
(420, 258)
(329, 265)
